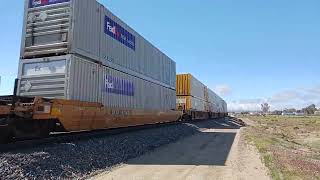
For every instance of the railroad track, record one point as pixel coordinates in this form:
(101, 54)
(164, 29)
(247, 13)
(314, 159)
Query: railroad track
(80, 136)
(237, 121)
(75, 136)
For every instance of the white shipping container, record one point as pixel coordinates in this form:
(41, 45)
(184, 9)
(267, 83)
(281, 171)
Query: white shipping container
(76, 78)
(225, 107)
(195, 103)
(218, 104)
(197, 88)
(198, 104)
(87, 28)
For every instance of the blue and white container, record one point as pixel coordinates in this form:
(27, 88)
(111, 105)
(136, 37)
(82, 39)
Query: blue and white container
(73, 77)
(86, 28)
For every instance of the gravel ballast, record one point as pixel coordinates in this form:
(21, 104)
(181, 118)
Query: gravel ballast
(82, 159)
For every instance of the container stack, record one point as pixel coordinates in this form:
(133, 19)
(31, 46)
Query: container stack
(193, 95)
(79, 50)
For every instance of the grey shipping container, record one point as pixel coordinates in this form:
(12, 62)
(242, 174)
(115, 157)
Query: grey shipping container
(197, 88)
(216, 101)
(76, 78)
(193, 104)
(87, 28)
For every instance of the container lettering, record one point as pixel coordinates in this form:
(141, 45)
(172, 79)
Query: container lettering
(38, 3)
(116, 85)
(119, 33)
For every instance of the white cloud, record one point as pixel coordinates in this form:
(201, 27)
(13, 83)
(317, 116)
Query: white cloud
(285, 96)
(238, 106)
(6, 85)
(251, 101)
(295, 98)
(314, 90)
(223, 90)
(311, 97)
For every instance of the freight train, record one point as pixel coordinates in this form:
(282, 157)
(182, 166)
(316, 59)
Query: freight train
(196, 100)
(81, 68)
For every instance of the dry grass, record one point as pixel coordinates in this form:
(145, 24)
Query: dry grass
(290, 146)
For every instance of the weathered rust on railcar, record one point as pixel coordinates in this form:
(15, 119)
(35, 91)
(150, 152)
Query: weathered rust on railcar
(4, 110)
(38, 117)
(82, 116)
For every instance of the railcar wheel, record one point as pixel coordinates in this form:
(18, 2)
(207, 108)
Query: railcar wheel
(186, 117)
(25, 129)
(6, 133)
(6, 138)
(43, 130)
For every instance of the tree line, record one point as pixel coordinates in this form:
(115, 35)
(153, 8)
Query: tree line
(265, 107)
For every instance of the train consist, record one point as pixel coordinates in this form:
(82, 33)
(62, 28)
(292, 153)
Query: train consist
(83, 69)
(196, 100)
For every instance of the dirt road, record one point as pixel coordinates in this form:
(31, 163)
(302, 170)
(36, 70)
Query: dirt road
(211, 154)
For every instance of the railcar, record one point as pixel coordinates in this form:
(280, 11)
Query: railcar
(29, 117)
(26, 117)
(196, 100)
(81, 68)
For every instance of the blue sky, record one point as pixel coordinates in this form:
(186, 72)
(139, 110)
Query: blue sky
(249, 51)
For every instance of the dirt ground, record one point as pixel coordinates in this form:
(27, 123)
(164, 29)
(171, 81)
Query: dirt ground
(289, 146)
(214, 153)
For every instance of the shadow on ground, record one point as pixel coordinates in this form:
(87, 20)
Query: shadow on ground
(205, 148)
(81, 158)
(223, 123)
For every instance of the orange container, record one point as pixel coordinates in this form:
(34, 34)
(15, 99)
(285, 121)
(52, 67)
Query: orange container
(194, 95)
(187, 85)
(183, 86)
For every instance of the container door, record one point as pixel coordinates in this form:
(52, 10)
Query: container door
(43, 77)
(84, 80)
(182, 103)
(46, 28)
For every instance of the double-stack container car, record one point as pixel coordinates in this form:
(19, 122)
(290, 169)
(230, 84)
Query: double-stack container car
(86, 28)
(105, 74)
(79, 50)
(82, 68)
(197, 100)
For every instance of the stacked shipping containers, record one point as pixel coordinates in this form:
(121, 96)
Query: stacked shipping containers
(79, 50)
(192, 95)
